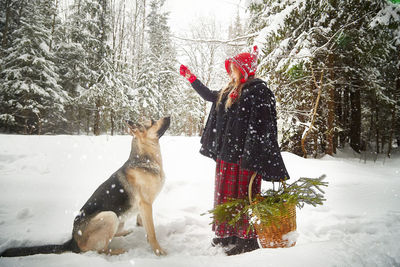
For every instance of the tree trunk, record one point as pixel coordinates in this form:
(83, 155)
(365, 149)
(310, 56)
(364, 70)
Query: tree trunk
(53, 26)
(394, 117)
(377, 136)
(389, 153)
(331, 109)
(114, 23)
(6, 24)
(315, 144)
(26, 126)
(122, 34)
(338, 114)
(39, 124)
(134, 38)
(96, 126)
(142, 36)
(307, 131)
(190, 124)
(372, 125)
(112, 118)
(88, 115)
(397, 97)
(344, 136)
(79, 120)
(355, 116)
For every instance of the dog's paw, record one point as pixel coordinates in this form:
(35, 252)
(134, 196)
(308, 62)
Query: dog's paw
(160, 252)
(113, 252)
(124, 233)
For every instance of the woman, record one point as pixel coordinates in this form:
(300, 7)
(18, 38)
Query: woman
(241, 136)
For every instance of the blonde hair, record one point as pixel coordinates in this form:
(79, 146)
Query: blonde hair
(234, 86)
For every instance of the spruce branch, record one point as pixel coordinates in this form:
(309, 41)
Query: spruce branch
(271, 204)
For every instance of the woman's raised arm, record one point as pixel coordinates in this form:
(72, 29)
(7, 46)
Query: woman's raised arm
(201, 89)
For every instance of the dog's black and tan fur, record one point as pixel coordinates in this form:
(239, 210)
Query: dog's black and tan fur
(131, 189)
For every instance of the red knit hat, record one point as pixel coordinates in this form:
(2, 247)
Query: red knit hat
(246, 62)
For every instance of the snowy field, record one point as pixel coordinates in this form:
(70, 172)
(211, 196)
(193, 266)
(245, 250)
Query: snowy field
(44, 181)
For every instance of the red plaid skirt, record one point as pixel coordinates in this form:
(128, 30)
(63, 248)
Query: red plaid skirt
(233, 182)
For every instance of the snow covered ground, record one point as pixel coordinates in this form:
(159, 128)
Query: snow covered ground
(44, 181)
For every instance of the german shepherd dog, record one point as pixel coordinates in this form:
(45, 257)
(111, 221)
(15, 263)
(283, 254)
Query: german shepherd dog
(130, 189)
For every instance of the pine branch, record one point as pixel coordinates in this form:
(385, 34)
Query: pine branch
(269, 206)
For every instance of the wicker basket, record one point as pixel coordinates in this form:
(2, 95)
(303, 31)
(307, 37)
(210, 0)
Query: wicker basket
(271, 235)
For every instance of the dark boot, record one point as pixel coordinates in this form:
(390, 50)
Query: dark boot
(243, 246)
(223, 241)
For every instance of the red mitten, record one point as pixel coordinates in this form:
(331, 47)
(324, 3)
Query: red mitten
(185, 72)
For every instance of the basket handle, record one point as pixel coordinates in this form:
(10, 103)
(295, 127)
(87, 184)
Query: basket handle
(251, 186)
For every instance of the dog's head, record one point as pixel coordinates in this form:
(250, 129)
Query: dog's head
(150, 130)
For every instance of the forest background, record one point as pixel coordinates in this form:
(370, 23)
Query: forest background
(82, 68)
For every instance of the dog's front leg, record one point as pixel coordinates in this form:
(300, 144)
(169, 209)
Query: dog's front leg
(146, 213)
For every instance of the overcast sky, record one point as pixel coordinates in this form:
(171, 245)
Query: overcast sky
(183, 12)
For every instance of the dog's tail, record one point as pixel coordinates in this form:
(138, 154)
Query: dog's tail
(46, 249)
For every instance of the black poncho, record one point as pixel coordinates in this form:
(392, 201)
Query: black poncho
(246, 133)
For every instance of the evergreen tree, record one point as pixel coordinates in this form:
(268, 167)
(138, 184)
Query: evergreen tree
(95, 83)
(32, 101)
(10, 13)
(157, 82)
(387, 91)
(317, 58)
(73, 68)
(96, 14)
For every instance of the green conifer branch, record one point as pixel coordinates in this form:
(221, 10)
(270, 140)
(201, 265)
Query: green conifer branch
(269, 205)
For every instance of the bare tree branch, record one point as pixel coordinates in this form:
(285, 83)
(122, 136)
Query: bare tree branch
(232, 42)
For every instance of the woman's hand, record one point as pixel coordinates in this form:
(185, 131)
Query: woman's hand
(185, 72)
